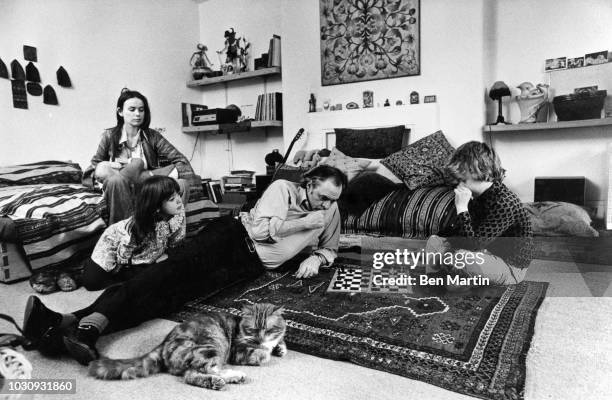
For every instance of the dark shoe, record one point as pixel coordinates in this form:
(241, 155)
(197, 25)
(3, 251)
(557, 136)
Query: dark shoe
(42, 327)
(81, 345)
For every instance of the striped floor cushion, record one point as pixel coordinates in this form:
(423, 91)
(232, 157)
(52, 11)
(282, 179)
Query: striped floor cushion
(405, 213)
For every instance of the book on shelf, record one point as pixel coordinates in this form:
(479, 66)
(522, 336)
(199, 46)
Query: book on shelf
(238, 180)
(242, 172)
(269, 107)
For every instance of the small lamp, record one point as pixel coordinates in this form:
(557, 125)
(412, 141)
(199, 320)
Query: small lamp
(497, 92)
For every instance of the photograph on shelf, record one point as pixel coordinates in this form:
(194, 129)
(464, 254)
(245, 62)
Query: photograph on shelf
(555, 63)
(575, 62)
(601, 57)
(429, 99)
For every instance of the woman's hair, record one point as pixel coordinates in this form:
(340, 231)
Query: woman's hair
(125, 95)
(476, 160)
(154, 191)
(324, 172)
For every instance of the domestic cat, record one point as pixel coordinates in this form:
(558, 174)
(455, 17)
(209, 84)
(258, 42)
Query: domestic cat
(200, 349)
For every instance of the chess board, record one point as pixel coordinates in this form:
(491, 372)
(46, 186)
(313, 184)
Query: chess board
(354, 279)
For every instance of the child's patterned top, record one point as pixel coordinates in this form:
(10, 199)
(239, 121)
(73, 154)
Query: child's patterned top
(114, 248)
(498, 222)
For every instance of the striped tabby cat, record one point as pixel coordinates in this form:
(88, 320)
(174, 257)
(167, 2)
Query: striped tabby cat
(199, 349)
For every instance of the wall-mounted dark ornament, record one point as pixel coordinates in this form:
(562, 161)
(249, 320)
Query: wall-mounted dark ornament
(30, 53)
(17, 71)
(32, 74)
(20, 97)
(34, 89)
(49, 96)
(3, 70)
(62, 78)
(414, 97)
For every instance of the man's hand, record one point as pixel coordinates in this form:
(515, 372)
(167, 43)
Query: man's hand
(116, 165)
(161, 258)
(315, 219)
(462, 198)
(309, 267)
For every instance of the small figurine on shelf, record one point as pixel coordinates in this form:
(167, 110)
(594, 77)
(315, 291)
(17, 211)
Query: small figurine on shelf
(533, 102)
(235, 54)
(312, 103)
(200, 63)
(242, 55)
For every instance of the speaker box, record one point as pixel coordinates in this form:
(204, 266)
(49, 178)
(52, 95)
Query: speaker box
(570, 189)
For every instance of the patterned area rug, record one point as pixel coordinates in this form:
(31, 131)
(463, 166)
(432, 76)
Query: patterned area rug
(475, 343)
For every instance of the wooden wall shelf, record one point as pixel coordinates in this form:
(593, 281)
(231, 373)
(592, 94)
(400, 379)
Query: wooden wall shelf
(585, 123)
(264, 72)
(236, 127)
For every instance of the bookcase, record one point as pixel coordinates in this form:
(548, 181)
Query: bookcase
(226, 80)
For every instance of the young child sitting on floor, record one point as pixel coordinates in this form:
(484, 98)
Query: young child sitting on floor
(134, 243)
(494, 229)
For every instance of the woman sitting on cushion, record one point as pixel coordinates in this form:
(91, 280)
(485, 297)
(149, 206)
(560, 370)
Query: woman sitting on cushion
(493, 242)
(132, 138)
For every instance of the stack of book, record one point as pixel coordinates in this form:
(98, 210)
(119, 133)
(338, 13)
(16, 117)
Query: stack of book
(238, 186)
(269, 107)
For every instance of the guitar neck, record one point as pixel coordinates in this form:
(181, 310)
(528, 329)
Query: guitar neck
(295, 139)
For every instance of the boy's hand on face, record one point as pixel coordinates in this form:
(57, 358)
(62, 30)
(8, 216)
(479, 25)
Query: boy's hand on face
(462, 198)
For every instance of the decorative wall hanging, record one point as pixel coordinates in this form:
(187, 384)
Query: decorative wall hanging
(3, 70)
(49, 96)
(20, 98)
(34, 88)
(17, 71)
(62, 78)
(30, 53)
(363, 40)
(32, 74)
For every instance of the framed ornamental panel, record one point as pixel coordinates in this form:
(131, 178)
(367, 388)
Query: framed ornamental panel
(364, 40)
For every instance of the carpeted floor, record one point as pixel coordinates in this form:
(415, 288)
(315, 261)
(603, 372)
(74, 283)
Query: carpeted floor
(570, 355)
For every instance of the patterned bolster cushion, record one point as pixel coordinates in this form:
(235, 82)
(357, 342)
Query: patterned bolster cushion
(404, 213)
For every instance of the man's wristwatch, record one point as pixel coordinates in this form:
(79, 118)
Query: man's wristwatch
(322, 258)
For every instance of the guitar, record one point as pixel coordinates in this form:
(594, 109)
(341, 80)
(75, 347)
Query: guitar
(297, 137)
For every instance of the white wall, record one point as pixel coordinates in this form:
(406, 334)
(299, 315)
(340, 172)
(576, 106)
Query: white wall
(526, 34)
(451, 50)
(104, 45)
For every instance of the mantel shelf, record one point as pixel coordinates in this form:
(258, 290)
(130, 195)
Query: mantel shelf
(585, 123)
(264, 72)
(237, 127)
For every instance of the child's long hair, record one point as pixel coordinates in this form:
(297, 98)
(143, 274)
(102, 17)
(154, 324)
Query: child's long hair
(476, 160)
(153, 193)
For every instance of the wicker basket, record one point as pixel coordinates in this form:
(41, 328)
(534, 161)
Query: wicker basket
(579, 106)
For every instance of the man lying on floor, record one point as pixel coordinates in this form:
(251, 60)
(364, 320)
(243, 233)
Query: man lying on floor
(287, 219)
